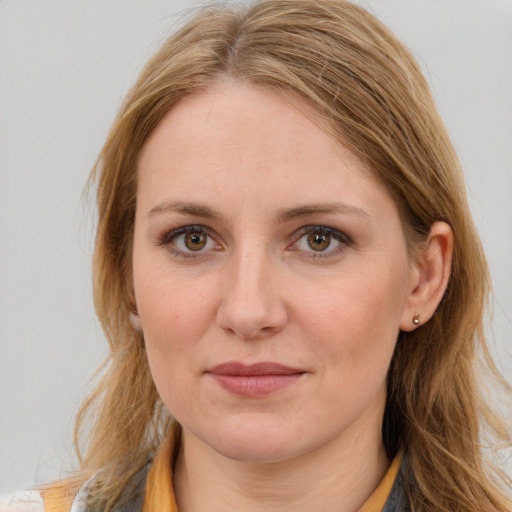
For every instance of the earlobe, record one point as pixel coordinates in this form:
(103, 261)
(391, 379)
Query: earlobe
(432, 273)
(135, 321)
(134, 313)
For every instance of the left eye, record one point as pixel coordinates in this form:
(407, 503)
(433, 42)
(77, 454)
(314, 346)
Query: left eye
(320, 239)
(189, 240)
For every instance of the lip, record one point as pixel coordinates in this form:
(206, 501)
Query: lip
(254, 380)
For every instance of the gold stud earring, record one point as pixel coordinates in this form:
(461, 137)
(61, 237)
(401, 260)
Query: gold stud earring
(416, 319)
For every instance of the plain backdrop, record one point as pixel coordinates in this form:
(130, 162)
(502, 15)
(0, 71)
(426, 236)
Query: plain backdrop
(64, 68)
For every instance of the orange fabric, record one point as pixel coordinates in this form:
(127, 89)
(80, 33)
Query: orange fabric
(377, 500)
(160, 493)
(58, 497)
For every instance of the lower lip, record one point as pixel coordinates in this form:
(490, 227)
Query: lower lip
(255, 385)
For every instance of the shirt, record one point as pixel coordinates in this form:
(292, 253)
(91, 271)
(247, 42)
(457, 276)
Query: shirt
(389, 496)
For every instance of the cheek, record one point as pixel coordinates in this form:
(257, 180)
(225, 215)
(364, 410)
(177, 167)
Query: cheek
(174, 316)
(170, 306)
(356, 317)
(171, 330)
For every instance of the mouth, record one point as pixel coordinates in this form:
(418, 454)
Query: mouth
(254, 380)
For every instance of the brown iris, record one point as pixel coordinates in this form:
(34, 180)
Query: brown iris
(195, 241)
(319, 241)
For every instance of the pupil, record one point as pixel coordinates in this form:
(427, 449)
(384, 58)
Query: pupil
(319, 242)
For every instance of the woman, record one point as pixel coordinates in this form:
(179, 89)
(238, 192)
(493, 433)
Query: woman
(285, 263)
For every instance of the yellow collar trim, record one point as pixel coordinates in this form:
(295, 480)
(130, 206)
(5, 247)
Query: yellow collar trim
(160, 493)
(378, 498)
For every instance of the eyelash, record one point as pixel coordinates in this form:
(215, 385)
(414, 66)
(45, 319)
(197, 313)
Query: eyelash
(168, 240)
(170, 237)
(343, 239)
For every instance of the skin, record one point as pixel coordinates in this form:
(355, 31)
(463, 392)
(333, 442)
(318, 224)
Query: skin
(255, 174)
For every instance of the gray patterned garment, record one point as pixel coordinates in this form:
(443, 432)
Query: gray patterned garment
(398, 501)
(31, 501)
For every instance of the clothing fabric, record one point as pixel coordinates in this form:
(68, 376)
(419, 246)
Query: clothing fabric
(389, 496)
(156, 494)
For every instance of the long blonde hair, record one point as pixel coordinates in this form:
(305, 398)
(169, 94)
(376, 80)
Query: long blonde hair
(350, 68)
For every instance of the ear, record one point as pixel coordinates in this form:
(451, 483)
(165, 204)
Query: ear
(135, 321)
(430, 275)
(134, 313)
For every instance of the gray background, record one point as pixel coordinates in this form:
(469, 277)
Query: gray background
(64, 67)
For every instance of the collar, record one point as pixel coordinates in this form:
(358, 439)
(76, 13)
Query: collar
(160, 493)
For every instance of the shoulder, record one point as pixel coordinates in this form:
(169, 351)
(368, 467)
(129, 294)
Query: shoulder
(70, 495)
(57, 497)
(22, 501)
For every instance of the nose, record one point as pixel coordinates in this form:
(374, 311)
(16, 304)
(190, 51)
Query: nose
(252, 305)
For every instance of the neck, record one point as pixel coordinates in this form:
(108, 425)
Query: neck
(339, 475)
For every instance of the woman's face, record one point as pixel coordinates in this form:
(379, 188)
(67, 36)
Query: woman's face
(271, 277)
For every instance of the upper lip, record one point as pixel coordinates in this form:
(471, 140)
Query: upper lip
(236, 368)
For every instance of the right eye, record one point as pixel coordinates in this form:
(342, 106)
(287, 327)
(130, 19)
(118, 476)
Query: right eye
(189, 241)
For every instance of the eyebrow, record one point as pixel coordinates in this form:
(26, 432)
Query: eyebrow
(288, 214)
(283, 215)
(194, 209)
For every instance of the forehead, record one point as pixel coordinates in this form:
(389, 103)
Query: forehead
(236, 137)
(272, 117)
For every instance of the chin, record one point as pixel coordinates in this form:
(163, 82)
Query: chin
(255, 444)
(258, 451)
